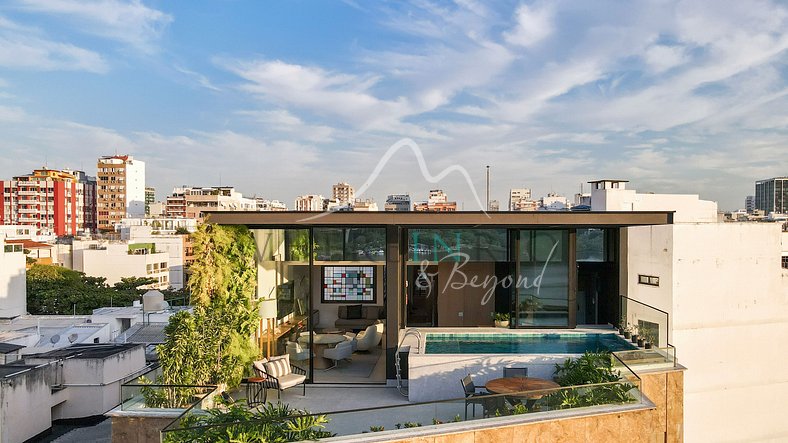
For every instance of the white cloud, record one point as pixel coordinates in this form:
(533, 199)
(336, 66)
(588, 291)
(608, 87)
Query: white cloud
(130, 22)
(534, 24)
(660, 58)
(28, 52)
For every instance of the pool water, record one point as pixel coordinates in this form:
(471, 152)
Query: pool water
(576, 343)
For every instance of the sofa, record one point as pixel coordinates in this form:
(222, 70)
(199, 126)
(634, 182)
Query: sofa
(347, 320)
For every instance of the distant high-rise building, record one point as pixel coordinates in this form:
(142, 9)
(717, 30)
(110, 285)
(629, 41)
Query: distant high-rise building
(343, 193)
(397, 202)
(150, 197)
(53, 201)
(270, 205)
(554, 202)
(771, 195)
(309, 202)
(121, 190)
(520, 200)
(749, 204)
(438, 201)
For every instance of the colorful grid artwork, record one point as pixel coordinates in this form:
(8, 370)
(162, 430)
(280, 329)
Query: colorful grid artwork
(349, 284)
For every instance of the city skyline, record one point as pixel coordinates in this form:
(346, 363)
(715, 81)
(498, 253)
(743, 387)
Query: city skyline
(675, 97)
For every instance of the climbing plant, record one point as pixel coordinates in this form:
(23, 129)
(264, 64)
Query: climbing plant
(213, 345)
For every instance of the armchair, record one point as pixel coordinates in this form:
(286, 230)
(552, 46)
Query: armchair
(341, 351)
(370, 337)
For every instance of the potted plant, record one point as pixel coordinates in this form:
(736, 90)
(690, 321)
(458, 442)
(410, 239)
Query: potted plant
(501, 319)
(622, 325)
(641, 342)
(628, 332)
(648, 335)
(634, 337)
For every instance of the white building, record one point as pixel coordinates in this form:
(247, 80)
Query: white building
(309, 202)
(270, 205)
(727, 299)
(115, 261)
(163, 225)
(554, 202)
(13, 284)
(365, 205)
(77, 382)
(174, 245)
(516, 196)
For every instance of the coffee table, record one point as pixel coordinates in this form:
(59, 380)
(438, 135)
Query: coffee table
(320, 342)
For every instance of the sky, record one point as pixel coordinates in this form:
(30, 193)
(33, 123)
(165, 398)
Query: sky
(282, 98)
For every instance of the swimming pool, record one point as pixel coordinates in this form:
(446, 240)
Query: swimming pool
(572, 343)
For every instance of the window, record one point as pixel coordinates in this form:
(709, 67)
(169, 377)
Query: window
(348, 284)
(649, 280)
(785, 261)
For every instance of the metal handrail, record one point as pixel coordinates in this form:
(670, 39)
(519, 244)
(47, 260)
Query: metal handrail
(667, 315)
(408, 331)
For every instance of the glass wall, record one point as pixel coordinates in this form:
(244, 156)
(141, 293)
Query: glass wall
(435, 245)
(283, 274)
(349, 293)
(543, 278)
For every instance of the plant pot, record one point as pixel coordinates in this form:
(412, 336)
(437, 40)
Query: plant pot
(641, 343)
(634, 338)
(501, 323)
(620, 331)
(627, 335)
(648, 345)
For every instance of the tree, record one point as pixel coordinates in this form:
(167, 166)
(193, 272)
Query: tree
(180, 230)
(214, 344)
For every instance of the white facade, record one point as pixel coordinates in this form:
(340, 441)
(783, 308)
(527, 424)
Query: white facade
(13, 284)
(89, 385)
(164, 225)
(309, 202)
(135, 188)
(555, 202)
(173, 245)
(113, 261)
(518, 195)
(727, 299)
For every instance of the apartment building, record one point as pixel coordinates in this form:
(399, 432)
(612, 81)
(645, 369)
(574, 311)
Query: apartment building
(150, 198)
(343, 193)
(365, 205)
(771, 195)
(554, 202)
(121, 190)
(437, 201)
(309, 202)
(518, 197)
(54, 202)
(397, 202)
(270, 205)
(194, 202)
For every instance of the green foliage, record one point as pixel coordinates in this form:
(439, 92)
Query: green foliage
(271, 423)
(54, 290)
(376, 429)
(180, 230)
(501, 316)
(590, 368)
(213, 345)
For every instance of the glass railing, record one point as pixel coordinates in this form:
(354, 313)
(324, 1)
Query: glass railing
(290, 425)
(648, 359)
(143, 394)
(645, 321)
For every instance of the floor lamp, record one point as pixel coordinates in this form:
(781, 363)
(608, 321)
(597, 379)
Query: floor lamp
(267, 311)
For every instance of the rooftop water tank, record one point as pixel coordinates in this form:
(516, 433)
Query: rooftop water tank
(153, 301)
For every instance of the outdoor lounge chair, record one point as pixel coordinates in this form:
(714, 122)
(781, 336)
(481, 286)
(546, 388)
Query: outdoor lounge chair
(279, 374)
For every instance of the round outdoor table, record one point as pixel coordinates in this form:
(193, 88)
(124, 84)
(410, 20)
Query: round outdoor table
(320, 343)
(517, 386)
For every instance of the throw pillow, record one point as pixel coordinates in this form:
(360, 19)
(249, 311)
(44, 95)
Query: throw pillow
(354, 312)
(278, 366)
(259, 367)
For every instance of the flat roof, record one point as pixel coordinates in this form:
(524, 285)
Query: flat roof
(5, 348)
(88, 350)
(461, 218)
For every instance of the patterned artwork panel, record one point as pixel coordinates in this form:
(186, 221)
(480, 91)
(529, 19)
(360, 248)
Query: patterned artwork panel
(349, 284)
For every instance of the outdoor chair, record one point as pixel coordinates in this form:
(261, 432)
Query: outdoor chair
(341, 351)
(472, 397)
(277, 373)
(297, 352)
(515, 372)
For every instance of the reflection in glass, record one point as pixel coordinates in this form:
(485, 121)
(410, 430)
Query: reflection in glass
(349, 244)
(543, 278)
(436, 244)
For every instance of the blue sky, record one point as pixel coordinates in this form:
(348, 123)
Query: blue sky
(286, 98)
